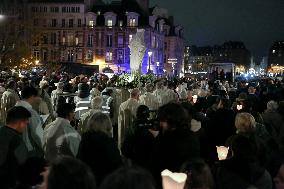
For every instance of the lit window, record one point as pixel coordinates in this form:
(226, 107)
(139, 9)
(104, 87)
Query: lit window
(108, 56)
(273, 51)
(132, 22)
(109, 22)
(130, 37)
(91, 23)
(77, 40)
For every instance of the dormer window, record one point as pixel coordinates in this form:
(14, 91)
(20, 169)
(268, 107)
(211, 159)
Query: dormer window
(132, 19)
(90, 19)
(110, 19)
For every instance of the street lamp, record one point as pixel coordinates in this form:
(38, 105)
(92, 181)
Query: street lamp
(149, 55)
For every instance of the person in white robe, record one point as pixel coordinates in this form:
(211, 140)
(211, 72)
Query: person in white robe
(33, 134)
(60, 138)
(172, 95)
(55, 93)
(160, 93)
(44, 86)
(8, 100)
(149, 99)
(127, 113)
(95, 91)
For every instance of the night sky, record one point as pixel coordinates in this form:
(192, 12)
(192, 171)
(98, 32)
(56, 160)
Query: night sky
(258, 23)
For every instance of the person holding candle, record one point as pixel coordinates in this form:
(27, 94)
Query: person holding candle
(243, 169)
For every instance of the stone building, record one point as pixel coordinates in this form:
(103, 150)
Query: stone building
(93, 33)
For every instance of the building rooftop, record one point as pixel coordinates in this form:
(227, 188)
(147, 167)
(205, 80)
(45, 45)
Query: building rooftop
(121, 8)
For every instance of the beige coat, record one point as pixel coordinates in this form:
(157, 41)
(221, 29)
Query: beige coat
(8, 100)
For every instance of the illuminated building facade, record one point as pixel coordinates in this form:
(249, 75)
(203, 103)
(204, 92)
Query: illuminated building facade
(174, 47)
(93, 33)
(199, 58)
(230, 52)
(276, 54)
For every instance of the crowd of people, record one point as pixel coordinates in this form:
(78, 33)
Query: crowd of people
(86, 133)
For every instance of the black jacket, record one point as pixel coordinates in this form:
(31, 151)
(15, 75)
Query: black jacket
(222, 126)
(13, 153)
(174, 148)
(100, 152)
(240, 174)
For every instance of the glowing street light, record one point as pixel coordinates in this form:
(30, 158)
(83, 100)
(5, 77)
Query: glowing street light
(2, 16)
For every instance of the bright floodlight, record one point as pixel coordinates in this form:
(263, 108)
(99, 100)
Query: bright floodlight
(150, 53)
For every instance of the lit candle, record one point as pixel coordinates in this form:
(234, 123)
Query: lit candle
(222, 152)
(173, 180)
